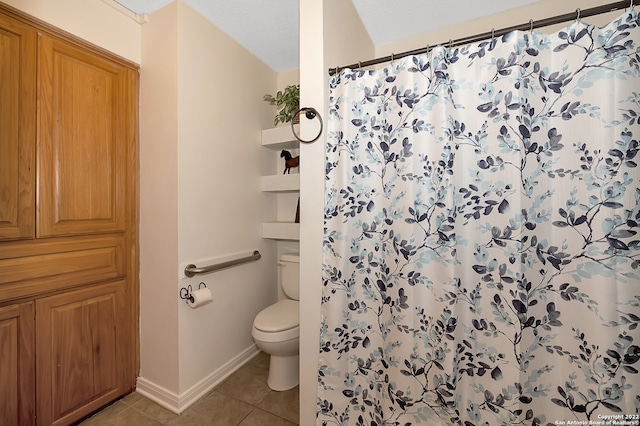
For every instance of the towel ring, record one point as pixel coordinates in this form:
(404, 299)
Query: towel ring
(310, 113)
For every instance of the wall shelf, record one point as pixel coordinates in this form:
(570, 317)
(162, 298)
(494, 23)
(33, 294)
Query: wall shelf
(276, 139)
(281, 230)
(279, 138)
(280, 183)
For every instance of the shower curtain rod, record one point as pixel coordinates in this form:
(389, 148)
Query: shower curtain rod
(531, 25)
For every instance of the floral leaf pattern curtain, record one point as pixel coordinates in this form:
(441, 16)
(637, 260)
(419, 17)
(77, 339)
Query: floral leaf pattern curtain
(481, 249)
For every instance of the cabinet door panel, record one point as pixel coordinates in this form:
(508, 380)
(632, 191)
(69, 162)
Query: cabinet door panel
(17, 128)
(83, 140)
(55, 264)
(81, 349)
(17, 372)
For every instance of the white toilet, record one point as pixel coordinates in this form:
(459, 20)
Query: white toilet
(276, 329)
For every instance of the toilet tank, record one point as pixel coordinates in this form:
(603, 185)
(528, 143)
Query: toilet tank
(290, 275)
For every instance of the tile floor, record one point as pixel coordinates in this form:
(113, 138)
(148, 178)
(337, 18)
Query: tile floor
(243, 399)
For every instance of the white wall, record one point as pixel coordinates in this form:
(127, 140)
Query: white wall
(331, 34)
(201, 160)
(536, 11)
(159, 322)
(91, 20)
(220, 115)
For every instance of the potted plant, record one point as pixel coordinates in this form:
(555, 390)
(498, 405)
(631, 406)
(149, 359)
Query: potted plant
(288, 100)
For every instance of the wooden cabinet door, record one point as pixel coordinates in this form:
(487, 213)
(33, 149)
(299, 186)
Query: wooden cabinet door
(84, 124)
(17, 371)
(81, 354)
(17, 128)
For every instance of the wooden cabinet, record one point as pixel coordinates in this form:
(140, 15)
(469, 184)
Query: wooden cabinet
(17, 368)
(68, 224)
(80, 354)
(17, 128)
(83, 121)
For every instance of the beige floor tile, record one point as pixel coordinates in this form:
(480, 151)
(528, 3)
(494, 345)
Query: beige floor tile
(132, 398)
(103, 416)
(243, 399)
(283, 404)
(128, 416)
(219, 409)
(249, 384)
(153, 410)
(262, 418)
(191, 418)
(260, 361)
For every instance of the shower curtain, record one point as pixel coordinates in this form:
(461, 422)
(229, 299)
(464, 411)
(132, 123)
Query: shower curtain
(481, 248)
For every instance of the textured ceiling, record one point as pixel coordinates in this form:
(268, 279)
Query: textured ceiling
(269, 28)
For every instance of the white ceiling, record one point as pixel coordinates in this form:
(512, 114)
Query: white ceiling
(269, 28)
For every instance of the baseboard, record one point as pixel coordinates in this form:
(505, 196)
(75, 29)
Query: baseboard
(158, 394)
(178, 403)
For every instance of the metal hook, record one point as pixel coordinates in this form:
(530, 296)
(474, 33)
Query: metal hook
(359, 64)
(392, 59)
(631, 5)
(493, 34)
(428, 48)
(578, 14)
(531, 25)
(450, 43)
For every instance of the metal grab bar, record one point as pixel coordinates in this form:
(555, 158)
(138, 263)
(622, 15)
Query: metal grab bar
(191, 270)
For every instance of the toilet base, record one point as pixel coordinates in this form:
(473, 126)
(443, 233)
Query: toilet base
(283, 372)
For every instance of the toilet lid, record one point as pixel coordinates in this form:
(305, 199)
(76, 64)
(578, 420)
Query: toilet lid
(281, 316)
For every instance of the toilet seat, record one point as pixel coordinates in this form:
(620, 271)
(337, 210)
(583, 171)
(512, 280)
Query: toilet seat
(278, 322)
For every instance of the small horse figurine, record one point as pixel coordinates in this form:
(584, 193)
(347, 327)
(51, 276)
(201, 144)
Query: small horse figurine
(289, 161)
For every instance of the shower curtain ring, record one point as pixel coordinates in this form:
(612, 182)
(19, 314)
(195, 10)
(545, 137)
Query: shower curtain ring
(530, 25)
(493, 34)
(631, 5)
(392, 59)
(310, 113)
(578, 14)
(450, 43)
